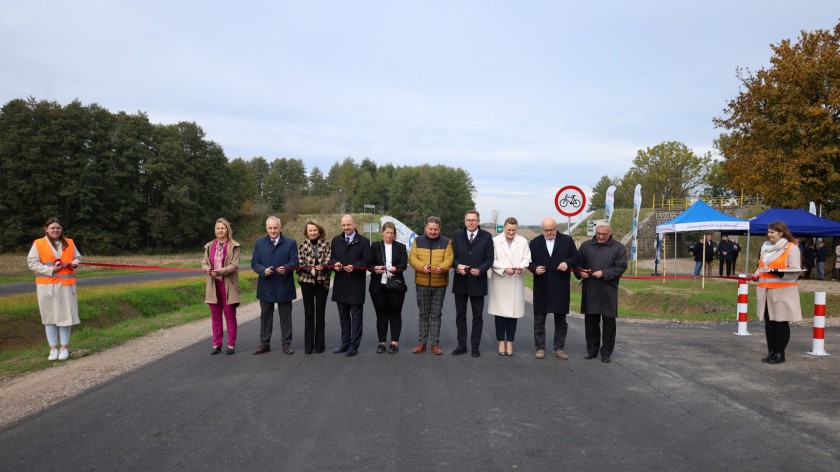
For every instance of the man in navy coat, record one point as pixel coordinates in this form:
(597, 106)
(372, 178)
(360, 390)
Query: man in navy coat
(273, 259)
(552, 255)
(473, 251)
(350, 256)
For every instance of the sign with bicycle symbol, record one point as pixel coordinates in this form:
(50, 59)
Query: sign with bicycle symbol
(570, 200)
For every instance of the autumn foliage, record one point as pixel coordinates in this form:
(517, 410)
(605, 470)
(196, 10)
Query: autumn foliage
(783, 138)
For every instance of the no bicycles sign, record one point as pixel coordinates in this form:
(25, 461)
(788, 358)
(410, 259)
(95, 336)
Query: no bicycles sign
(570, 200)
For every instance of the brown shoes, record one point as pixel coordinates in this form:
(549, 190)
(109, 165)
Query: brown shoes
(287, 349)
(561, 355)
(436, 350)
(263, 348)
(421, 348)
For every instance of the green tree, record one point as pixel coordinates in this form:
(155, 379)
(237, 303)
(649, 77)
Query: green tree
(669, 169)
(318, 185)
(783, 128)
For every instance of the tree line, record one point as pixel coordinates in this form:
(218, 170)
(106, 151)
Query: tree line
(119, 182)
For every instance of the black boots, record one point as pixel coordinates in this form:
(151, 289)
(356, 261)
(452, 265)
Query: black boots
(774, 357)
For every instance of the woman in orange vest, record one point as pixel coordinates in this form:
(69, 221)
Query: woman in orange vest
(778, 293)
(54, 259)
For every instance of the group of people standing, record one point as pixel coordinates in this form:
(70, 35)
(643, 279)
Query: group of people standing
(481, 265)
(472, 253)
(706, 250)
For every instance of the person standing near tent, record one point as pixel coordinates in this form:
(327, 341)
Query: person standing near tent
(711, 249)
(725, 249)
(777, 294)
(836, 272)
(736, 249)
(821, 254)
(697, 250)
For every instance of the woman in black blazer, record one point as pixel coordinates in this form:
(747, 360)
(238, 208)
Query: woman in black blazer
(389, 259)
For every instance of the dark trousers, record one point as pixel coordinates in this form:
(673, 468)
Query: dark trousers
(777, 333)
(560, 330)
(594, 341)
(314, 310)
(728, 267)
(388, 305)
(350, 317)
(505, 328)
(284, 309)
(477, 303)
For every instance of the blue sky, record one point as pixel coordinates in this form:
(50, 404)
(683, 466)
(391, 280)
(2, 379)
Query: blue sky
(526, 96)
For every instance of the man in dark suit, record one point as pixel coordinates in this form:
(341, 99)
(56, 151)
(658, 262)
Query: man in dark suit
(725, 251)
(273, 258)
(350, 256)
(473, 251)
(552, 255)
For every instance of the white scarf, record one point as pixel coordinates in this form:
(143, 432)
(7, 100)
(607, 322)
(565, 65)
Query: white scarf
(770, 252)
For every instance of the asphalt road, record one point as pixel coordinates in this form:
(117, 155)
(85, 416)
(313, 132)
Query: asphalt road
(675, 397)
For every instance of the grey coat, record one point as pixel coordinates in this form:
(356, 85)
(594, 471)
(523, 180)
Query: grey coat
(600, 296)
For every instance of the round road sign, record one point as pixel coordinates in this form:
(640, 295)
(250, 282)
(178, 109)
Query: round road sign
(570, 200)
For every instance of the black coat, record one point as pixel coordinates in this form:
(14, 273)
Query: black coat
(728, 247)
(600, 296)
(349, 287)
(399, 259)
(551, 289)
(476, 255)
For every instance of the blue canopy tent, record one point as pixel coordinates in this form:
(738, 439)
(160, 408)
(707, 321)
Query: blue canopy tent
(701, 217)
(800, 222)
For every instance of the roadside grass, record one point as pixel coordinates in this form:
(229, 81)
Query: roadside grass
(685, 300)
(110, 316)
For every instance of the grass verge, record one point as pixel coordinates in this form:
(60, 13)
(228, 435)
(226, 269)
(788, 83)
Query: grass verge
(110, 316)
(685, 300)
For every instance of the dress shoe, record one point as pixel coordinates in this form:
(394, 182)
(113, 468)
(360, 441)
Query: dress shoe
(230, 351)
(421, 348)
(393, 349)
(318, 351)
(605, 360)
(540, 354)
(778, 358)
(53, 355)
(380, 349)
(352, 352)
(216, 350)
(476, 353)
(342, 348)
(561, 355)
(262, 349)
(436, 349)
(502, 353)
(287, 349)
(590, 355)
(769, 355)
(459, 350)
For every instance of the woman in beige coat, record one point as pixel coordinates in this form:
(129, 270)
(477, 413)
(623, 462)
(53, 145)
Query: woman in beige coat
(221, 264)
(54, 260)
(507, 285)
(777, 294)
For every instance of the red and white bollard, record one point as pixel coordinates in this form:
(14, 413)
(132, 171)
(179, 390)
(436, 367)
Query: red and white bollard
(743, 291)
(818, 348)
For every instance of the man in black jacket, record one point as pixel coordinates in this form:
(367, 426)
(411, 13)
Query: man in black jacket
(473, 251)
(552, 255)
(350, 256)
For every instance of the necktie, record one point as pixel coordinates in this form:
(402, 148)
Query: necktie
(273, 242)
(471, 237)
(348, 240)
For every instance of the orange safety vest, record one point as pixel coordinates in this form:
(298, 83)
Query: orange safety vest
(768, 280)
(66, 275)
